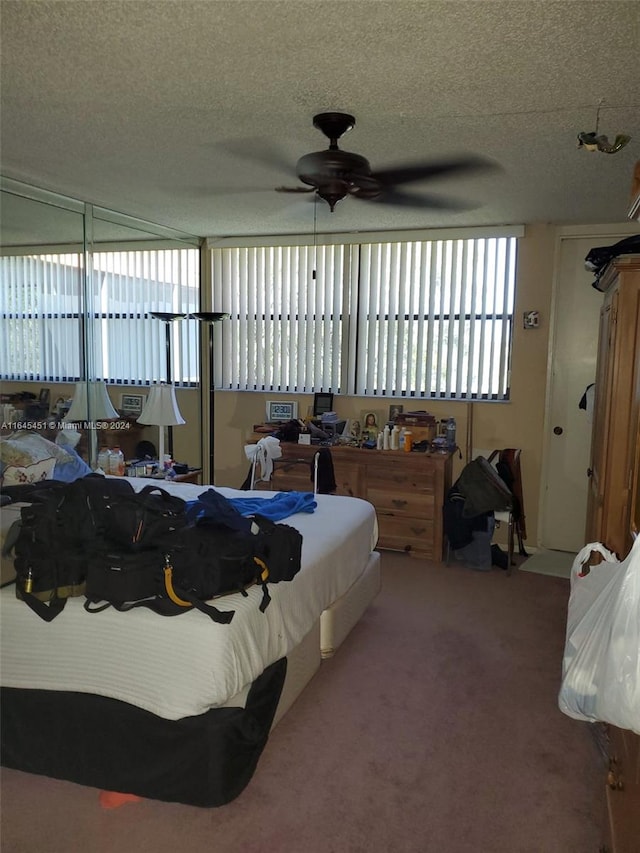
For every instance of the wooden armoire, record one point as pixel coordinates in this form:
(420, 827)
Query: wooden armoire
(612, 509)
(613, 513)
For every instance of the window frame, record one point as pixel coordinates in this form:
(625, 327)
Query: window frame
(354, 299)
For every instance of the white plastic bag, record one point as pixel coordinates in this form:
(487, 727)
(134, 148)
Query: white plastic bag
(601, 665)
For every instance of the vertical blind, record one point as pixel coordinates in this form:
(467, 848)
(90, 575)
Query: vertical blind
(426, 318)
(430, 318)
(435, 318)
(127, 287)
(43, 310)
(286, 331)
(41, 327)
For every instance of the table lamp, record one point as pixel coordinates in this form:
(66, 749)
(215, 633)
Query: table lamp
(91, 404)
(161, 410)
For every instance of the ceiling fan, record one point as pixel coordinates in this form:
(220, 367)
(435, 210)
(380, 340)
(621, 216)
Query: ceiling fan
(334, 174)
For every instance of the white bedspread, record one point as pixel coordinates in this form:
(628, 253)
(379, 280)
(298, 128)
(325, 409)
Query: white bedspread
(184, 665)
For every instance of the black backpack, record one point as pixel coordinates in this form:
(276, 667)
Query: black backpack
(56, 533)
(279, 545)
(187, 568)
(136, 521)
(190, 565)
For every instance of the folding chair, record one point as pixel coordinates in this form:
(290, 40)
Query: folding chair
(285, 464)
(507, 464)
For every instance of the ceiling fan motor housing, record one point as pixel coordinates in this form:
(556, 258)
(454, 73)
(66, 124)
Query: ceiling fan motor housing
(336, 173)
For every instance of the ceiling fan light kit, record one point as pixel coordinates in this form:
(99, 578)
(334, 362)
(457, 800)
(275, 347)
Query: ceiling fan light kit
(334, 174)
(595, 141)
(599, 142)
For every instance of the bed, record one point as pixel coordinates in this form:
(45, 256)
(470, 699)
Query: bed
(179, 709)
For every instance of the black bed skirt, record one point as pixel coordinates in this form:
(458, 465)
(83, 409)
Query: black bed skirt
(202, 761)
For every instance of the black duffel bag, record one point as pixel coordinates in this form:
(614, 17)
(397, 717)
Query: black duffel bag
(55, 535)
(138, 520)
(187, 568)
(279, 545)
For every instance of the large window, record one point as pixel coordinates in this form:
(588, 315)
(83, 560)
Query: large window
(44, 305)
(288, 308)
(423, 318)
(40, 310)
(127, 287)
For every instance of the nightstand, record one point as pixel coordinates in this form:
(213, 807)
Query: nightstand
(193, 476)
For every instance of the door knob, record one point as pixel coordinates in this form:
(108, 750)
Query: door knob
(558, 430)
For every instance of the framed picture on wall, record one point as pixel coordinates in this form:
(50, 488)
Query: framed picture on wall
(394, 411)
(132, 404)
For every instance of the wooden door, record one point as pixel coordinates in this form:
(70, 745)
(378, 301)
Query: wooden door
(572, 368)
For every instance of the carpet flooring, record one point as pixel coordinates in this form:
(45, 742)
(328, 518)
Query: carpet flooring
(434, 729)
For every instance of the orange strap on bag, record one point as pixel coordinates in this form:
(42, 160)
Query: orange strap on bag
(168, 580)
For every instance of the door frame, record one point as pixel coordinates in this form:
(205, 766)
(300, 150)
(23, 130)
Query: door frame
(604, 234)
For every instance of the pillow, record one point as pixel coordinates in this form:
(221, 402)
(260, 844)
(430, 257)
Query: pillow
(25, 448)
(72, 470)
(68, 438)
(18, 475)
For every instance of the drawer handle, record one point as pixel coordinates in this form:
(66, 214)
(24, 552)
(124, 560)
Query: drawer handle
(399, 502)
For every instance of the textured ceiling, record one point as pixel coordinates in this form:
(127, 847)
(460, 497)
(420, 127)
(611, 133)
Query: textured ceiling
(151, 108)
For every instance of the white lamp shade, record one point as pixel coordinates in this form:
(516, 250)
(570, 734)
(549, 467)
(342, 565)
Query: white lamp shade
(90, 403)
(161, 408)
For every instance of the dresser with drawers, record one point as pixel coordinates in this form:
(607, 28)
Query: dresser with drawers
(407, 490)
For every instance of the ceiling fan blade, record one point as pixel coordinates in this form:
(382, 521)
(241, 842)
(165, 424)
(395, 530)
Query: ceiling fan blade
(210, 191)
(258, 150)
(420, 171)
(295, 189)
(397, 198)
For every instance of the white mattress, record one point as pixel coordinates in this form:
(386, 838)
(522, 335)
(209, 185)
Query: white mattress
(340, 617)
(184, 665)
(302, 664)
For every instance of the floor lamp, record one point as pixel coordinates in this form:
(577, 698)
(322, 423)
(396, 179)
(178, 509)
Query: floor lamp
(211, 317)
(168, 318)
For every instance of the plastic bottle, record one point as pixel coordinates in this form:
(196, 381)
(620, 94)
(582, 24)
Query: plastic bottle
(116, 462)
(408, 441)
(451, 434)
(103, 459)
(401, 437)
(380, 442)
(395, 438)
(386, 438)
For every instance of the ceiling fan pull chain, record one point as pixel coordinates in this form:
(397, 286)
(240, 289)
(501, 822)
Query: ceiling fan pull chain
(315, 237)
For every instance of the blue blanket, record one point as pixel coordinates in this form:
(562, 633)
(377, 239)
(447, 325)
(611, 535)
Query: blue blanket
(234, 511)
